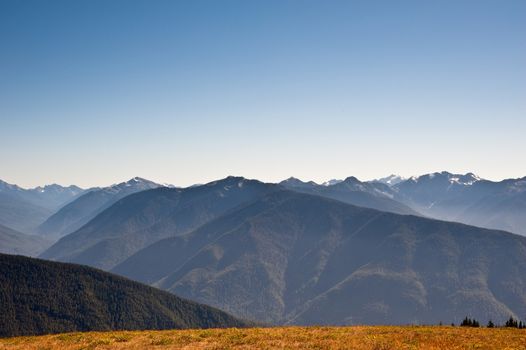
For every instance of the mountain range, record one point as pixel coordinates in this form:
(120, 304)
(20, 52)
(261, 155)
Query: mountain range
(467, 199)
(77, 213)
(346, 251)
(24, 209)
(39, 297)
(373, 195)
(50, 197)
(464, 198)
(294, 258)
(141, 219)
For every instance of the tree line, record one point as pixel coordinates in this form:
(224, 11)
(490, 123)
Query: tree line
(510, 323)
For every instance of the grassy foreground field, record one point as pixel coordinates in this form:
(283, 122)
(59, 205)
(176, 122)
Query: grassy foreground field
(359, 337)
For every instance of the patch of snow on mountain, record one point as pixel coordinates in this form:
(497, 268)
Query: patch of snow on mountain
(331, 182)
(392, 180)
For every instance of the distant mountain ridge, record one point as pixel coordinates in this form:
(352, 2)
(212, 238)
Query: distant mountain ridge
(469, 199)
(24, 209)
(77, 213)
(39, 297)
(465, 198)
(49, 196)
(373, 195)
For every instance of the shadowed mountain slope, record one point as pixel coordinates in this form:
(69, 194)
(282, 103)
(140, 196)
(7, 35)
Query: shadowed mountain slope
(143, 218)
(293, 258)
(39, 297)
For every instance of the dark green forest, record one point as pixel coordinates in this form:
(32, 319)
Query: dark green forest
(39, 297)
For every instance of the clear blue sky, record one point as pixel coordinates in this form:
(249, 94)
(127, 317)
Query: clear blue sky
(95, 92)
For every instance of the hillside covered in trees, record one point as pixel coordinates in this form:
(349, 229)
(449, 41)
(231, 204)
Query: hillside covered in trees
(39, 297)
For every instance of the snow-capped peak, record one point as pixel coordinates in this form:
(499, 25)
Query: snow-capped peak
(392, 179)
(331, 182)
(468, 179)
(135, 182)
(444, 176)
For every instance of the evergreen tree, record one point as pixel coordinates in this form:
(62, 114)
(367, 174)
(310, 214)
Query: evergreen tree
(512, 323)
(491, 324)
(468, 322)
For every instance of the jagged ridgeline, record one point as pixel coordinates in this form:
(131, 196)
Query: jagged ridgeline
(39, 297)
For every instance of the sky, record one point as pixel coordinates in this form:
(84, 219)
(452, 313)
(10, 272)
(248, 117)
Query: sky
(94, 92)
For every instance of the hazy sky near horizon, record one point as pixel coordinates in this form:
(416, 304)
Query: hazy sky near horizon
(96, 92)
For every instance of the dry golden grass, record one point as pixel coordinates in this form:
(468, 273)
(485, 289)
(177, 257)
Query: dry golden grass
(359, 337)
